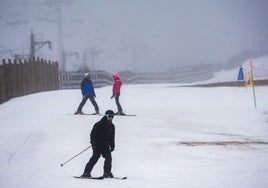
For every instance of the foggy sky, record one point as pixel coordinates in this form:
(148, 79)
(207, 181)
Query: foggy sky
(139, 35)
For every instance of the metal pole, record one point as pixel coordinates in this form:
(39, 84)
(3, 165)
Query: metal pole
(253, 87)
(74, 156)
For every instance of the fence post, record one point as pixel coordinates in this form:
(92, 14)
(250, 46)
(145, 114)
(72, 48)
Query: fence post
(2, 82)
(5, 98)
(53, 80)
(19, 79)
(9, 86)
(41, 76)
(15, 79)
(25, 77)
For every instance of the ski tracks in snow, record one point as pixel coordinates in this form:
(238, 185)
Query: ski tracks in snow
(20, 147)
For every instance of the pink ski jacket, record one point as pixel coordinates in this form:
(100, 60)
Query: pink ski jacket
(117, 86)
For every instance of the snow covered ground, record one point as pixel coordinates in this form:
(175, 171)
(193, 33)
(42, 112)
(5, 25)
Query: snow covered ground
(181, 137)
(260, 65)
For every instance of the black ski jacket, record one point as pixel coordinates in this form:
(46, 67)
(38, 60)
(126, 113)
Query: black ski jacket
(102, 135)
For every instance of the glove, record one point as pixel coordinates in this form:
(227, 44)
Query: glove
(111, 149)
(112, 96)
(84, 96)
(94, 147)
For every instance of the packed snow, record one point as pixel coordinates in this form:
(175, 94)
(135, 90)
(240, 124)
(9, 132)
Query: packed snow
(181, 137)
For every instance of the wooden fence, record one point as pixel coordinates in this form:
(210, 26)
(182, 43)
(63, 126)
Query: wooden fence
(20, 78)
(72, 80)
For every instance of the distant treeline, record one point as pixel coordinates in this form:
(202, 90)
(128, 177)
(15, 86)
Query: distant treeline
(24, 77)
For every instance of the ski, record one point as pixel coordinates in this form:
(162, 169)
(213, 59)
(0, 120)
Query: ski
(94, 178)
(125, 115)
(93, 114)
(100, 178)
(119, 178)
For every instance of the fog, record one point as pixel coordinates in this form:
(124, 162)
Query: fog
(140, 35)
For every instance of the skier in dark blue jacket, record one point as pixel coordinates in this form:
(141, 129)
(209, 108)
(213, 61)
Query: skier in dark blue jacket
(88, 92)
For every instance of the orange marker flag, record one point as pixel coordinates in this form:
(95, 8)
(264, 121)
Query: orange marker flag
(251, 65)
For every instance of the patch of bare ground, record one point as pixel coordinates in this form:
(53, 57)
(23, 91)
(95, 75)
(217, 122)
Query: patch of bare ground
(222, 143)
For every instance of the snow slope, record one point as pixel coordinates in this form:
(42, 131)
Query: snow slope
(181, 137)
(260, 71)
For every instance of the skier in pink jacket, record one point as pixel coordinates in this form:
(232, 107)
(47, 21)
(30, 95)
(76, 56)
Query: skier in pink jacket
(116, 93)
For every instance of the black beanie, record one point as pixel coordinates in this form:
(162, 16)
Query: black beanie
(109, 112)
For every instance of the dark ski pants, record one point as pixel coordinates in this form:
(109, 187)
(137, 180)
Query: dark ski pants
(119, 108)
(84, 100)
(106, 154)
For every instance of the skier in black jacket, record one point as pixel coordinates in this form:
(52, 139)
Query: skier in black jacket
(102, 141)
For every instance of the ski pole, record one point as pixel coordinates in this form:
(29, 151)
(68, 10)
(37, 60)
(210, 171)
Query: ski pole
(75, 156)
